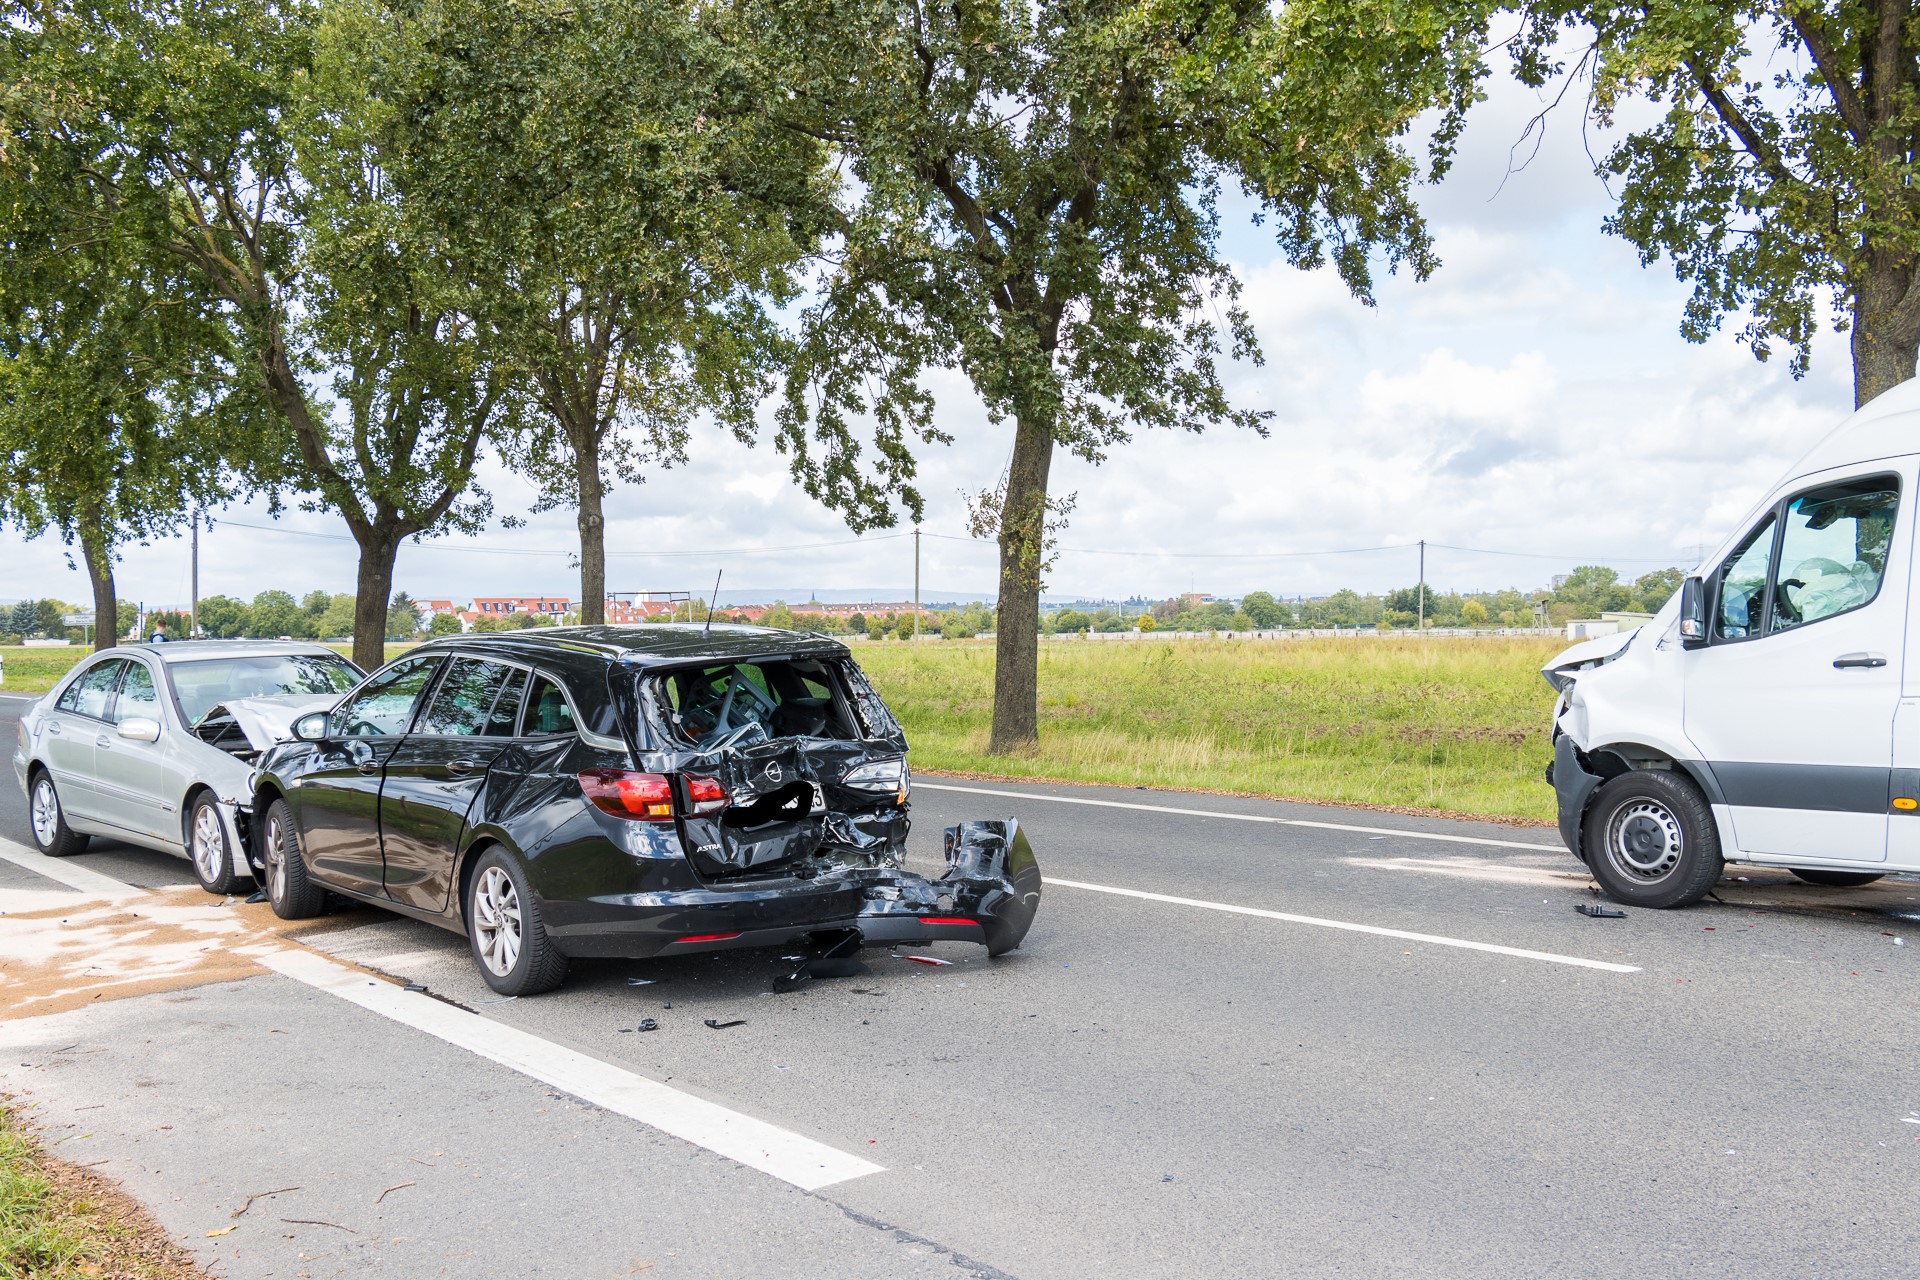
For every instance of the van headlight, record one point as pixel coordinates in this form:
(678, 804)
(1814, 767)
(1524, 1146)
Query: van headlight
(880, 776)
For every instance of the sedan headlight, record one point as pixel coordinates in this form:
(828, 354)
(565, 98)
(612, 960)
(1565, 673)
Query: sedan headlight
(880, 776)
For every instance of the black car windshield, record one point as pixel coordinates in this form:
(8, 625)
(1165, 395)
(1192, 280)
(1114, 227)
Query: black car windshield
(204, 683)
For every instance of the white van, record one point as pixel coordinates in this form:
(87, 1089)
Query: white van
(1770, 712)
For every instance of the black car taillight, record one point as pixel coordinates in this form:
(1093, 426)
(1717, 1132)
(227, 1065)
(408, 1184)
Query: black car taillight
(704, 795)
(644, 797)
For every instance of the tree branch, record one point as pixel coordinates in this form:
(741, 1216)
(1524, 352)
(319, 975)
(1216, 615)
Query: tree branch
(1826, 59)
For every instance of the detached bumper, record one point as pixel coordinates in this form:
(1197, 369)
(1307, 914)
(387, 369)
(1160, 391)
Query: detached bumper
(1573, 787)
(988, 895)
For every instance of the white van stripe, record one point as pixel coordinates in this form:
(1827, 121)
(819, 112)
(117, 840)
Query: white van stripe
(919, 785)
(757, 1144)
(1347, 925)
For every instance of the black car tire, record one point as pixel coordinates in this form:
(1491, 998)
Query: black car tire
(293, 895)
(506, 931)
(1836, 879)
(48, 818)
(208, 848)
(1651, 841)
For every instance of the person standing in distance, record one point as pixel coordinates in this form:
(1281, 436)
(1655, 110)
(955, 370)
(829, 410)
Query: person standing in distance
(159, 634)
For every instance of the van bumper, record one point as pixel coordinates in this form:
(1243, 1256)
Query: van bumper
(1573, 787)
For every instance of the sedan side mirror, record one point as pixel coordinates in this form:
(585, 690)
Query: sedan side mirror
(140, 729)
(1693, 613)
(311, 727)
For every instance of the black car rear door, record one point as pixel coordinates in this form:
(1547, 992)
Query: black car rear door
(336, 797)
(434, 774)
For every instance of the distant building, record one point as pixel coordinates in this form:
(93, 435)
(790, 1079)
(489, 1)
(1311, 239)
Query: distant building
(503, 606)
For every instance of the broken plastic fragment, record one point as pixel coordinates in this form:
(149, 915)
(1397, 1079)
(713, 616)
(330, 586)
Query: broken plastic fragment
(258, 895)
(415, 986)
(1599, 912)
(791, 981)
(926, 960)
(647, 1024)
(722, 1026)
(641, 982)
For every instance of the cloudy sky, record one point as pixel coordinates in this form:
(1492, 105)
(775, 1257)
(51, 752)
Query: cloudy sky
(1532, 401)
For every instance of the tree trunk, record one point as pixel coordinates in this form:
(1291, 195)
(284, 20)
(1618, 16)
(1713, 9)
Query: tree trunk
(373, 590)
(1016, 645)
(98, 553)
(593, 526)
(1883, 346)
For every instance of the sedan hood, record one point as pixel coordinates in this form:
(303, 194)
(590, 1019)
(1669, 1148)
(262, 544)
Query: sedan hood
(268, 719)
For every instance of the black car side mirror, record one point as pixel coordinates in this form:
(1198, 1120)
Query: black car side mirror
(311, 727)
(1693, 613)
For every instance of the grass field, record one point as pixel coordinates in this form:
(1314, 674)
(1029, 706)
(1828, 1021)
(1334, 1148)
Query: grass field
(1454, 724)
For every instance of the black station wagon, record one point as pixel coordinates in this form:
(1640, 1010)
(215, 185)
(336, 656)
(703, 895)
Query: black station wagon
(625, 791)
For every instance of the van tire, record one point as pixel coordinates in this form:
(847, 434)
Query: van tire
(1836, 879)
(1651, 841)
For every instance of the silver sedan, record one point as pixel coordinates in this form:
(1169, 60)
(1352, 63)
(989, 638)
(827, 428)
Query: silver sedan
(153, 744)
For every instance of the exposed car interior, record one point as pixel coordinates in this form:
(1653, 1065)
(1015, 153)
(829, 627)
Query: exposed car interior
(783, 698)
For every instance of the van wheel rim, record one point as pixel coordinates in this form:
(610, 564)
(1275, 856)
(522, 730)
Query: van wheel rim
(209, 843)
(46, 813)
(1645, 840)
(496, 921)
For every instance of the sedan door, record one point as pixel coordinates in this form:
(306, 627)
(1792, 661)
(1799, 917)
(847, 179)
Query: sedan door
(141, 783)
(70, 733)
(433, 776)
(336, 796)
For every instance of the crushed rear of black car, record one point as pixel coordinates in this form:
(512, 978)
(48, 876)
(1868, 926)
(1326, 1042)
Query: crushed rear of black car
(629, 792)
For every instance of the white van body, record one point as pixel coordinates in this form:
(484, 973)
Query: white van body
(1780, 690)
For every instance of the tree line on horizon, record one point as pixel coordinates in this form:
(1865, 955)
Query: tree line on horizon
(340, 253)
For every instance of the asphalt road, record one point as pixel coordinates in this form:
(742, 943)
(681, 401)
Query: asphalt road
(1148, 1086)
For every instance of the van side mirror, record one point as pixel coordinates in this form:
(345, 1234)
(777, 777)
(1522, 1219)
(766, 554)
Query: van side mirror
(1693, 613)
(311, 727)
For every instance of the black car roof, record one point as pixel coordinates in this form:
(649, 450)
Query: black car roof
(645, 645)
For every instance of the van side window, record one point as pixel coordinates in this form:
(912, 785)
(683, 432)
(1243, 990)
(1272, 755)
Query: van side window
(1833, 551)
(1743, 586)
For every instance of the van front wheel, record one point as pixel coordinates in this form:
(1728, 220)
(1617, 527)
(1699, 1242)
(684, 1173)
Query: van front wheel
(1650, 840)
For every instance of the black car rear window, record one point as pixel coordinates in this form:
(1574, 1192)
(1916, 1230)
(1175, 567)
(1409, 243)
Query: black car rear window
(785, 697)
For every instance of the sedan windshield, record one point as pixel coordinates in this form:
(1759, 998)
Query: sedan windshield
(206, 682)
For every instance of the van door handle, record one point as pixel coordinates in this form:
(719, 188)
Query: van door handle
(1860, 660)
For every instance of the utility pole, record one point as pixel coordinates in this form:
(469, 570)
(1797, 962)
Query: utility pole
(1423, 585)
(916, 584)
(193, 604)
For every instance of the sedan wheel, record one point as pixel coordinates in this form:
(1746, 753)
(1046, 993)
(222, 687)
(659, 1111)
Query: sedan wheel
(508, 937)
(207, 846)
(50, 830)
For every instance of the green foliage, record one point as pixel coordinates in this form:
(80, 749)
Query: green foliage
(778, 616)
(403, 617)
(338, 620)
(1780, 175)
(224, 618)
(444, 624)
(276, 613)
(1265, 611)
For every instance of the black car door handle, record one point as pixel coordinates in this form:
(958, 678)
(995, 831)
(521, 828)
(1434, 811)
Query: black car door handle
(464, 766)
(1859, 660)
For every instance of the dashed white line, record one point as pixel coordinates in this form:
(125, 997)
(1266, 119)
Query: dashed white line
(757, 1144)
(1349, 926)
(920, 785)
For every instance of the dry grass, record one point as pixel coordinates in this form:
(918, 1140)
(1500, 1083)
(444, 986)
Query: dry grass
(60, 1222)
(1449, 724)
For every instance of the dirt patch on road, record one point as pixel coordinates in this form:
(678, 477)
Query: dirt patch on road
(54, 958)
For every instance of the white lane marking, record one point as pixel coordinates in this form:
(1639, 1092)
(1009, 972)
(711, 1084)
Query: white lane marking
(15, 902)
(1347, 925)
(67, 872)
(1472, 869)
(919, 785)
(757, 1144)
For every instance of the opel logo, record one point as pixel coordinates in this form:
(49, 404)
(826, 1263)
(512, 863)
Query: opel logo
(773, 773)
